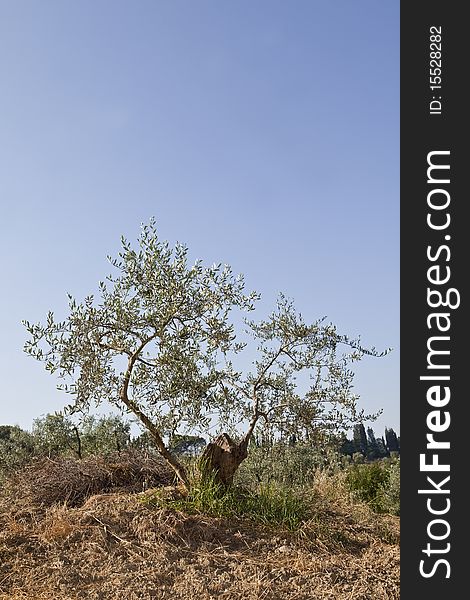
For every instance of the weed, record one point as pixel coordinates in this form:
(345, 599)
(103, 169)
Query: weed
(270, 504)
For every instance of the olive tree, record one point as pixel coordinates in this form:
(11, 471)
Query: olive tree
(106, 434)
(55, 435)
(160, 343)
(16, 449)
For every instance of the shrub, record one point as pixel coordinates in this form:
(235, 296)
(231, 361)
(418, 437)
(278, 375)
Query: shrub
(358, 458)
(286, 465)
(16, 449)
(367, 481)
(390, 494)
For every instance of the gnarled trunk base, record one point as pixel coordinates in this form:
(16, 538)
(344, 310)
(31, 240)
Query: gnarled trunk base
(223, 456)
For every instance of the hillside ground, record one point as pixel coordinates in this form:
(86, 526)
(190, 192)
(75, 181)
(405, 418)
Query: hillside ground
(120, 545)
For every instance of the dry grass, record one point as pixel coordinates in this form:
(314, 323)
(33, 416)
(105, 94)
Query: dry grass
(49, 481)
(117, 546)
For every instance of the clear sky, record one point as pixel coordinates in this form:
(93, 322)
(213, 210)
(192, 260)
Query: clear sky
(263, 134)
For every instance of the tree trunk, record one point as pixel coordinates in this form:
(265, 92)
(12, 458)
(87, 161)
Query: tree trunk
(223, 456)
(174, 463)
(79, 444)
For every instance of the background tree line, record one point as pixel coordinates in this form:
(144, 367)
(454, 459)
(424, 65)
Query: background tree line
(56, 435)
(368, 445)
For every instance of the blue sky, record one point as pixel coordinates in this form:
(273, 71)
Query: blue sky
(262, 134)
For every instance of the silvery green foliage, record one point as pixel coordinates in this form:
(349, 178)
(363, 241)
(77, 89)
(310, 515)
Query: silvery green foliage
(103, 435)
(287, 465)
(57, 435)
(301, 383)
(54, 435)
(391, 492)
(160, 340)
(155, 334)
(16, 449)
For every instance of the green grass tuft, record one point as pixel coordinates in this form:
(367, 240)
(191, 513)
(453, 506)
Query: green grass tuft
(269, 504)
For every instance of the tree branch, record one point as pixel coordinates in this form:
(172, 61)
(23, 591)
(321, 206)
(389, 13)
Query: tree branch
(267, 367)
(133, 407)
(255, 397)
(139, 359)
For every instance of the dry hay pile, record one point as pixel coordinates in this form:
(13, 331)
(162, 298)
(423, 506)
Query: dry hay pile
(49, 481)
(117, 546)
